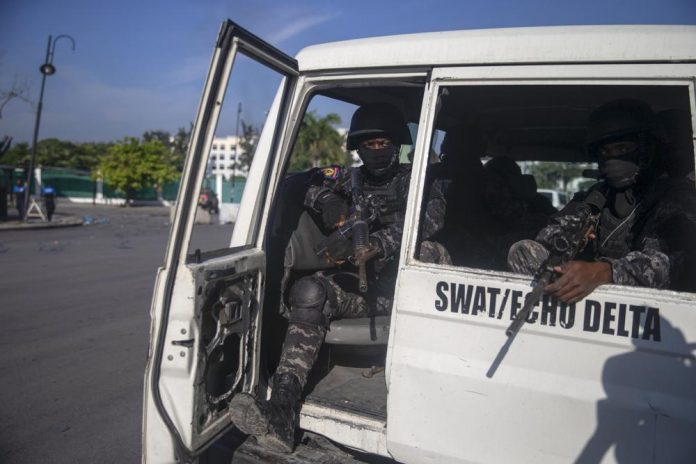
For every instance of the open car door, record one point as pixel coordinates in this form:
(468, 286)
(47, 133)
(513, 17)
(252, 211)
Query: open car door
(205, 309)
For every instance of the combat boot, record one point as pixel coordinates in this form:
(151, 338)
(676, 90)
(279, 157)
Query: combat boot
(272, 421)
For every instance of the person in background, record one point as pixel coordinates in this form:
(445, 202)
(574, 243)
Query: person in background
(49, 195)
(646, 229)
(19, 191)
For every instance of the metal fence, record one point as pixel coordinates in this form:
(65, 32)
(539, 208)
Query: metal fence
(70, 183)
(76, 184)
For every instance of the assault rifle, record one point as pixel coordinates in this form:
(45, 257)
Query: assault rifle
(362, 250)
(563, 247)
(355, 228)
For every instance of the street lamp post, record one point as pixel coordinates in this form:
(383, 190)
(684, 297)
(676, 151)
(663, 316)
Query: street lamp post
(47, 69)
(236, 148)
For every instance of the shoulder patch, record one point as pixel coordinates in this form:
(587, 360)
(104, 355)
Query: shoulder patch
(332, 172)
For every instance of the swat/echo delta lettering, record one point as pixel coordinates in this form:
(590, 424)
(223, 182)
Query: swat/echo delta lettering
(608, 318)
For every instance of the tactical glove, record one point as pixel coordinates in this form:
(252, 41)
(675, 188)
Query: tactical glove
(338, 250)
(333, 209)
(376, 244)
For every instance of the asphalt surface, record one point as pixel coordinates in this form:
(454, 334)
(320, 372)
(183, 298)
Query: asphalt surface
(74, 324)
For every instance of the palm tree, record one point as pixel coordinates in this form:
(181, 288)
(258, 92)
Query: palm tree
(318, 143)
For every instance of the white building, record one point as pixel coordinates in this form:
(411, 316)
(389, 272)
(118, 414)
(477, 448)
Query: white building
(224, 157)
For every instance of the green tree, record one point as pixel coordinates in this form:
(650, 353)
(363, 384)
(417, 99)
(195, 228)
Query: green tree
(318, 143)
(131, 165)
(161, 135)
(49, 152)
(58, 153)
(54, 152)
(17, 155)
(88, 154)
(178, 144)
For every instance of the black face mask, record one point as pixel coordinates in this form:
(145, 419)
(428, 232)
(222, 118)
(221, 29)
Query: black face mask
(632, 167)
(379, 161)
(620, 172)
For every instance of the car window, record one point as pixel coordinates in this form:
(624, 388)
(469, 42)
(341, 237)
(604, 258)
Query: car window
(508, 158)
(248, 98)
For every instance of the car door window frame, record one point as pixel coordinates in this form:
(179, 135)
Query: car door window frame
(589, 75)
(305, 89)
(231, 40)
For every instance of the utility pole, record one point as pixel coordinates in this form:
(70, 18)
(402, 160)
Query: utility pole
(236, 148)
(47, 69)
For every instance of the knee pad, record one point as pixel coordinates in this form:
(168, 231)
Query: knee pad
(307, 298)
(434, 252)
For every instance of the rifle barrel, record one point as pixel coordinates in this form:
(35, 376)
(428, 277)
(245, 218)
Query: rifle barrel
(530, 300)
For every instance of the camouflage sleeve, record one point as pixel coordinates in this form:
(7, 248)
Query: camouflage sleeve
(435, 207)
(389, 239)
(314, 193)
(328, 180)
(569, 218)
(649, 267)
(671, 224)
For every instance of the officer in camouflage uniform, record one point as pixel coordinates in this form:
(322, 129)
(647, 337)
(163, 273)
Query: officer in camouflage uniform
(646, 230)
(377, 132)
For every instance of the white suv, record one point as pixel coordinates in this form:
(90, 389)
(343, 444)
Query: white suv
(610, 378)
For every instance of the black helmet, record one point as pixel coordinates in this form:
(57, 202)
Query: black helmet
(506, 167)
(619, 118)
(377, 119)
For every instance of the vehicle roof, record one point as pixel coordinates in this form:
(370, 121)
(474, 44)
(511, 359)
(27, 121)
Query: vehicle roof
(528, 45)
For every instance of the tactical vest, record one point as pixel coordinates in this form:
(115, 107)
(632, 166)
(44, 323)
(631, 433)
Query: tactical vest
(391, 196)
(614, 237)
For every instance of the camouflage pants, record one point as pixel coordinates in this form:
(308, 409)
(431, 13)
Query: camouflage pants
(526, 256)
(343, 300)
(433, 252)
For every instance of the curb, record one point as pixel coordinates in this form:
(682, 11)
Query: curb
(19, 225)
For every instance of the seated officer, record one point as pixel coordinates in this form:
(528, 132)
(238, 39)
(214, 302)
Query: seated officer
(377, 132)
(512, 200)
(49, 195)
(519, 191)
(460, 177)
(647, 224)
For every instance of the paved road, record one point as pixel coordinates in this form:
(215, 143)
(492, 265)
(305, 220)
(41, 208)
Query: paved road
(74, 324)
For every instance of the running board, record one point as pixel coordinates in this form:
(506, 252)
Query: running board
(349, 429)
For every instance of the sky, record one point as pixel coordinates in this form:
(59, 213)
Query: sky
(140, 65)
